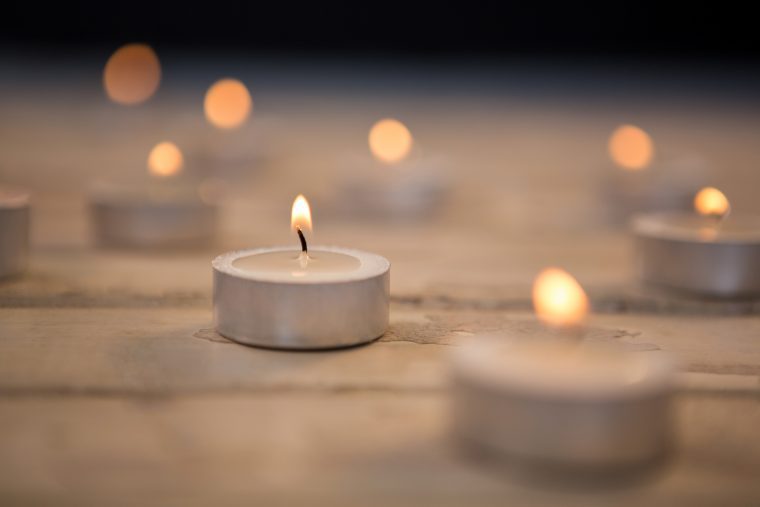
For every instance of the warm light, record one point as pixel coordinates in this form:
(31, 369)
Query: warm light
(165, 159)
(300, 216)
(711, 202)
(227, 104)
(558, 299)
(390, 140)
(631, 148)
(132, 74)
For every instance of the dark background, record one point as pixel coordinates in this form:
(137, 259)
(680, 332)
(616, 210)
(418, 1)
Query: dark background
(611, 29)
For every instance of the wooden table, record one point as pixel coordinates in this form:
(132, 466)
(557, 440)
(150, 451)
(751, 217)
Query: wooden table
(114, 388)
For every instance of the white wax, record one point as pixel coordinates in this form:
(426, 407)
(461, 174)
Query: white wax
(323, 264)
(735, 228)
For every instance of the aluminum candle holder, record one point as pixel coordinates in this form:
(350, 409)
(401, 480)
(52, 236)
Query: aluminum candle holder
(266, 297)
(14, 232)
(552, 408)
(691, 253)
(144, 223)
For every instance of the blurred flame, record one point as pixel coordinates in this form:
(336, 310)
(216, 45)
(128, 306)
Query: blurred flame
(132, 74)
(711, 202)
(631, 148)
(558, 299)
(390, 140)
(165, 159)
(300, 216)
(227, 104)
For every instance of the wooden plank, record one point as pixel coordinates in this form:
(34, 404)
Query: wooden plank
(165, 351)
(322, 449)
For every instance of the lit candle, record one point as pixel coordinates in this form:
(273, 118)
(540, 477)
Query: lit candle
(311, 297)
(714, 251)
(14, 231)
(230, 145)
(645, 180)
(556, 402)
(165, 212)
(395, 182)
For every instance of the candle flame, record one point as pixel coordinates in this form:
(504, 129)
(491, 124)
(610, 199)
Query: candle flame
(631, 147)
(165, 159)
(390, 141)
(227, 104)
(558, 299)
(711, 202)
(300, 216)
(132, 74)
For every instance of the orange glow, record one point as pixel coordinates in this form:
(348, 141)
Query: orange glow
(132, 74)
(300, 216)
(631, 148)
(165, 159)
(390, 140)
(227, 104)
(711, 202)
(558, 299)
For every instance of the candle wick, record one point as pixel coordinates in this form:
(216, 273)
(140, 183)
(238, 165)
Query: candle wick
(301, 238)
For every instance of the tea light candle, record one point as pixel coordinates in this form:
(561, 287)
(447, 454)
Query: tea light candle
(556, 403)
(641, 182)
(394, 183)
(14, 231)
(227, 146)
(312, 298)
(165, 213)
(712, 252)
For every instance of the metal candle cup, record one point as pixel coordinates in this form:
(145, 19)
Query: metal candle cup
(266, 297)
(554, 406)
(136, 218)
(695, 254)
(14, 232)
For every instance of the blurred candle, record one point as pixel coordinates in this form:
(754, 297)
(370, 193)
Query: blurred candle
(230, 147)
(395, 183)
(556, 403)
(712, 251)
(643, 179)
(167, 211)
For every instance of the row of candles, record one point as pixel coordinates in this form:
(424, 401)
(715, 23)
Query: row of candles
(555, 401)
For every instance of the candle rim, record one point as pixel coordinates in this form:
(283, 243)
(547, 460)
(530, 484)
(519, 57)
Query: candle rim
(377, 265)
(481, 364)
(660, 225)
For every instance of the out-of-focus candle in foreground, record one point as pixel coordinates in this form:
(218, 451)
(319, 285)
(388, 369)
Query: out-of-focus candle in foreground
(554, 405)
